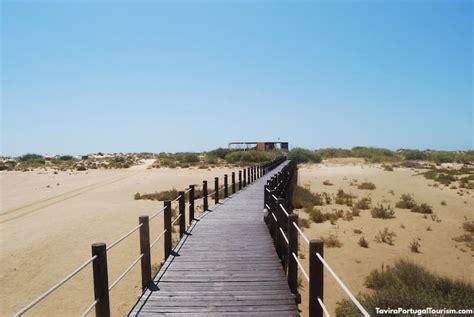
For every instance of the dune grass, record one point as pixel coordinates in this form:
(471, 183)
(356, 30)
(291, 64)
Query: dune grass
(409, 285)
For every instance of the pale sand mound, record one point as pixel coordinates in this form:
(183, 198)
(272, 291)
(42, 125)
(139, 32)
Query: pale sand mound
(352, 262)
(45, 233)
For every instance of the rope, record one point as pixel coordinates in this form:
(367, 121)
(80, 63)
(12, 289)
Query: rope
(123, 237)
(268, 207)
(211, 194)
(284, 210)
(326, 313)
(274, 197)
(176, 199)
(284, 236)
(187, 190)
(344, 287)
(274, 217)
(300, 266)
(156, 240)
(157, 213)
(301, 233)
(172, 222)
(125, 273)
(88, 310)
(56, 286)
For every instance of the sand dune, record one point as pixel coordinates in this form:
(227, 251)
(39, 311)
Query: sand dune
(48, 222)
(352, 262)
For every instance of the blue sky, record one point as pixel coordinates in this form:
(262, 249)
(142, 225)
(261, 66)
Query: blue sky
(88, 76)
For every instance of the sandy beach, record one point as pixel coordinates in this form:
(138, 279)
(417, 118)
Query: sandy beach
(353, 263)
(49, 221)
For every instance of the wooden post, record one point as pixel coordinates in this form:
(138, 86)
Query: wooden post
(251, 174)
(216, 189)
(204, 196)
(191, 203)
(245, 177)
(145, 250)
(248, 174)
(233, 182)
(167, 227)
(316, 278)
(283, 224)
(240, 180)
(101, 280)
(182, 212)
(293, 248)
(226, 186)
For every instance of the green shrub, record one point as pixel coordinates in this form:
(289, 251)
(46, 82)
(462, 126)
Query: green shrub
(220, 152)
(382, 212)
(406, 202)
(211, 159)
(300, 155)
(303, 197)
(468, 226)
(334, 152)
(161, 196)
(331, 241)
(407, 284)
(66, 158)
(415, 155)
(376, 155)
(364, 203)
(304, 223)
(415, 246)
(366, 186)
(343, 198)
(251, 156)
(363, 243)
(30, 156)
(317, 216)
(385, 236)
(422, 209)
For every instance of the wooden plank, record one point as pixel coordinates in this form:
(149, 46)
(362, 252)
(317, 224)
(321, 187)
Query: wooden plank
(226, 265)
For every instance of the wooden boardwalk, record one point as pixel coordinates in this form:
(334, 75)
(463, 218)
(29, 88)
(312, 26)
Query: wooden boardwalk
(226, 265)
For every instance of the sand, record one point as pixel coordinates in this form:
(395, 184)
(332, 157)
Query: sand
(49, 221)
(353, 263)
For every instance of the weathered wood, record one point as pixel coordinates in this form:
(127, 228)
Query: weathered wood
(316, 278)
(225, 266)
(191, 203)
(205, 202)
(182, 213)
(145, 250)
(226, 187)
(167, 227)
(101, 280)
(216, 190)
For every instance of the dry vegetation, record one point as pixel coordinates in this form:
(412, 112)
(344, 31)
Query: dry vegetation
(406, 284)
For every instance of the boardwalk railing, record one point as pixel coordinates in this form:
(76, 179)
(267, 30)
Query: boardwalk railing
(99, 250)
(283, 227)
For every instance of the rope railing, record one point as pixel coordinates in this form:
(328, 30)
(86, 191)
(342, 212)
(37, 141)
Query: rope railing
(123, 237)
(175, 219)
(282, 224)
(301, 266)
(55, 287)
(326, 313)
(159, 212)
(301, 233)
(125, 272)
(88, 310)
(158, 238)
(99, 250)
(343, 286)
